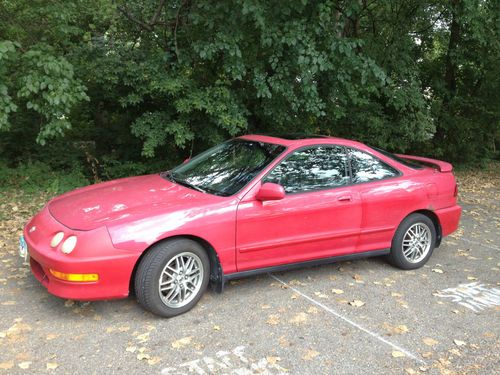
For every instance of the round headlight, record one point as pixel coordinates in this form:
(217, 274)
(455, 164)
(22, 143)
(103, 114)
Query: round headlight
(69, 245)
(56, 240)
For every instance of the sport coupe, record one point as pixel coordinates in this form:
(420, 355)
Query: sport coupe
(250, 205)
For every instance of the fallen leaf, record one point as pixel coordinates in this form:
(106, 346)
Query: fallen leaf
(410, 371)
(216, 328)
(52, 366)
(472, 278)
(51, 336)
(429, 341)
(142, 356)
(397, 354)
(8, 303)
(273, 360)
(312, 310)
(356, 303)
(337, 291)
(299, 318)
(459, 342)
(427, 354)
(131, 349)
(437, 270)
(143, 337)
(69, 303)
(357, 277)
(153, 361)
(320, 295)
(182, 343)
(310, 354)
(24, 365)
(6, 365)
(273, 320)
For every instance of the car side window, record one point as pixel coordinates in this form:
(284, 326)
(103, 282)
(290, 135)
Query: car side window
(314, 168)
(365, 167)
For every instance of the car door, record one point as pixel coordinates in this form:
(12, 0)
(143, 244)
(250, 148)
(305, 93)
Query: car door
(386, 198)
(319, 216)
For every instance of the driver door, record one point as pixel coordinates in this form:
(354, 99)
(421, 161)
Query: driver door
(319, 217)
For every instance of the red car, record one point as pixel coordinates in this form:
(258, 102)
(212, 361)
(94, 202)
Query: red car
(250, 205)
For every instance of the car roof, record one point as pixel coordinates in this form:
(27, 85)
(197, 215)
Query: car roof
(298, 140)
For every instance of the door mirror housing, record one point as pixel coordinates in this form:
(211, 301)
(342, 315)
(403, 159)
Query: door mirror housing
(270, 192)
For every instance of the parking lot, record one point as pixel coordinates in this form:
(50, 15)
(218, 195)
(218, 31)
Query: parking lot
(345, 318)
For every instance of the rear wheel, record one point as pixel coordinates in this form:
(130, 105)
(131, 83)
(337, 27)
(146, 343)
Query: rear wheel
(172, 277)
(413, 242)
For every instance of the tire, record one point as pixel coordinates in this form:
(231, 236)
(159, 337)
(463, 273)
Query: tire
(182, 283)
(413, 242)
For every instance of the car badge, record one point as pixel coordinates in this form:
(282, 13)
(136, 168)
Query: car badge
(32, 229)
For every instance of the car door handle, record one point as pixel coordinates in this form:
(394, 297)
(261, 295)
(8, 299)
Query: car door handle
(344, 198)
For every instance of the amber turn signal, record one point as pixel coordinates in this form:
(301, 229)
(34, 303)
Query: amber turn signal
(82, 277)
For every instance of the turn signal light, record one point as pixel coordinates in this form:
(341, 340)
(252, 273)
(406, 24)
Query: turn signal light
(82, 277)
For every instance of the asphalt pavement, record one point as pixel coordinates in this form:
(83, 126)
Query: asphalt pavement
(345, 318)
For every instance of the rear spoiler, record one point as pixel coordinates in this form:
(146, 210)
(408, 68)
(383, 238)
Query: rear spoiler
(441, 166)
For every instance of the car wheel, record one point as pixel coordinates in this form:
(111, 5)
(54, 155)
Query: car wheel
(413, 242)
(172, 277)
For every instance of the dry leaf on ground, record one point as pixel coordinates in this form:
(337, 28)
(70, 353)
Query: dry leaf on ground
(310, 354)
(430, 341)
(182, 343)
(356, 303)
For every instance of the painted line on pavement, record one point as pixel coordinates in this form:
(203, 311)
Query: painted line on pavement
(349, 321)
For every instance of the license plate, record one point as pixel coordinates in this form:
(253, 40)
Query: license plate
(23, 248)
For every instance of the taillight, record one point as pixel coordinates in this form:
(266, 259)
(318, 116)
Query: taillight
(455, 193)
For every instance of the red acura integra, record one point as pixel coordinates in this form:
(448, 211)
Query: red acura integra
(250, 205)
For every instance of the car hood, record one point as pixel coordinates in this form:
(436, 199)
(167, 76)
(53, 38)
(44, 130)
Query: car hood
(126, 199)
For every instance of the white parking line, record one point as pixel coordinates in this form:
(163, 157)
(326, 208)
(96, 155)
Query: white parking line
(349, 321)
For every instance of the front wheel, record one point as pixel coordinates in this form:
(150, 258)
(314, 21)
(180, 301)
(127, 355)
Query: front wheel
(172, 277)
(413, 242)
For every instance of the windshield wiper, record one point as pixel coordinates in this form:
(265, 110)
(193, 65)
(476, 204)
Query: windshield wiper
(170, 176)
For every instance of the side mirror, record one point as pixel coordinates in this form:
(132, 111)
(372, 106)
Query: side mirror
(270, 192)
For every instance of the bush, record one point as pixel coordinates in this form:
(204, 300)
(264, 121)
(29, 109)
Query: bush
(36, 176)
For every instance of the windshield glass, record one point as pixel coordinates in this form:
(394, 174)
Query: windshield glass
(226, 168)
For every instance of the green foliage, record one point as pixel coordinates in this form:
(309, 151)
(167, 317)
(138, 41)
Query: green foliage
(148, 83)
(42, 83)
(35, 177)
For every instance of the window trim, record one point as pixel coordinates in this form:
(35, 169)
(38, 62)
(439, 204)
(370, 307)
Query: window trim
(349, 157)
(347, 167)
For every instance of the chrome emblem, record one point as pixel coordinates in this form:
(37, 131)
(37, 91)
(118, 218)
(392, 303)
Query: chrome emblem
(32, 229)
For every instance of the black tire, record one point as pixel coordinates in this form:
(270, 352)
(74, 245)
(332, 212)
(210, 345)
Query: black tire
(151, 267)
(396, 257)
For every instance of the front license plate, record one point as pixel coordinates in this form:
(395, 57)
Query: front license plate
(23, 248)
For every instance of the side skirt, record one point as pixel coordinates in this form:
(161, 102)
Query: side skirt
(291, 266)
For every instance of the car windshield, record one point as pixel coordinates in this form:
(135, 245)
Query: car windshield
(226, 168)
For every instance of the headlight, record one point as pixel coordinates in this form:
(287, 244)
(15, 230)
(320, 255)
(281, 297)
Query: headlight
(56, 240)
(69, 245)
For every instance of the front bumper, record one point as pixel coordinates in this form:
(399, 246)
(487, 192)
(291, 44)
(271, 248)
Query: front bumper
(94, 253)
